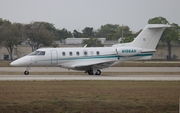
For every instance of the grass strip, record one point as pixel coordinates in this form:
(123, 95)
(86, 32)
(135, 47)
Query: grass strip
(89, 96)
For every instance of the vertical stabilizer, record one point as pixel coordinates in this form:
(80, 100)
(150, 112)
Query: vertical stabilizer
(149, 36)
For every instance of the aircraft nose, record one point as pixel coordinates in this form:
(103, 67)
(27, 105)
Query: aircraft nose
(14, 63)
(24, 61)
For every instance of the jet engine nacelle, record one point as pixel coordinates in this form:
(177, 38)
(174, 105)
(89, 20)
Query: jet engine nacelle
(128, 51)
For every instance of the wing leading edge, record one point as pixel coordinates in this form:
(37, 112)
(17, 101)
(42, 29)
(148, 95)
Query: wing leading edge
(92, 64)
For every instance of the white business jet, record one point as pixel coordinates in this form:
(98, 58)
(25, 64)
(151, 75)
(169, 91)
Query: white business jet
(92, 59)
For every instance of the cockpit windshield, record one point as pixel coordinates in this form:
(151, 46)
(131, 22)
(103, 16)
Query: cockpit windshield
(37, 53)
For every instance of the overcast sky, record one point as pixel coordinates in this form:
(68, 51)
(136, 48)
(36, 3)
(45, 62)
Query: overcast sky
(78, 14)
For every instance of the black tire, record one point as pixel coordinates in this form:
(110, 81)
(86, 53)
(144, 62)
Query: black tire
(98, 72)
(90, 72)
(26, 72)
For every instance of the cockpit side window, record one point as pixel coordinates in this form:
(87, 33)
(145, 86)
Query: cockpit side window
(33, 53)
(37, 53)
(41, 53)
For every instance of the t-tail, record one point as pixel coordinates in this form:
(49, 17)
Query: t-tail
(146, 41)
(148, 38)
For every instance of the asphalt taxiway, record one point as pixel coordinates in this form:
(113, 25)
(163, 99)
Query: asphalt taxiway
(104, 76)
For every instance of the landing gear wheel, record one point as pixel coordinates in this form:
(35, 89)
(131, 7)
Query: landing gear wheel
(90, 72)
(98, 72)
(26, 72)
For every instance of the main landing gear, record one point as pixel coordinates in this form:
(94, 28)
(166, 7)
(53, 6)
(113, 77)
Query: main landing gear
(91, 72)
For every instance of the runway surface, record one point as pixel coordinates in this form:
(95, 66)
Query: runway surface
(104, 76)
(110, 69)
(90, 77)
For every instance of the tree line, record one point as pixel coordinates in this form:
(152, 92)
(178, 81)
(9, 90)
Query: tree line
(40, 34)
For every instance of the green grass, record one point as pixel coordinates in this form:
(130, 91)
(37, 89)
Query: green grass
(89, 96)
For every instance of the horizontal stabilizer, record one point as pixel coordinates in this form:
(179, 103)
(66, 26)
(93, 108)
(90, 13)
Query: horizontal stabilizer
(158, 26)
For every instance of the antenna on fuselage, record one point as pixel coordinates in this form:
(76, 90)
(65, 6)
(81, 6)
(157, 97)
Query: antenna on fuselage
(85, 46)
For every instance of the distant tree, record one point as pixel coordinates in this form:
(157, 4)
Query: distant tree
(88, 32)
(128, 39)
(10, 36)
(62, 34)
(158, 20)
(108, 31)
(170, 35)
(92, 42)
(21, 28)
(77, 34)
(39, 34)
(114, 32)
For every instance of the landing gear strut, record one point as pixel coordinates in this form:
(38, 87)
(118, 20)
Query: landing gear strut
(90, 72)
(27, 71)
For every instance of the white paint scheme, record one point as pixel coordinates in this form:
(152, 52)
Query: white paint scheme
(92, 59)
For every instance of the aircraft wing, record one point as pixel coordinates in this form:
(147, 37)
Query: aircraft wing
(92, 65)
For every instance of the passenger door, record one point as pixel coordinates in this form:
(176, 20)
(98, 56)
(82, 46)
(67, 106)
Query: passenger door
(54, 57)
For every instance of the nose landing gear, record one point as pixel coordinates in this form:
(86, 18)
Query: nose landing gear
(26, 72)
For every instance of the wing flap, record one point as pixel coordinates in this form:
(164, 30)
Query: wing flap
(93, 65)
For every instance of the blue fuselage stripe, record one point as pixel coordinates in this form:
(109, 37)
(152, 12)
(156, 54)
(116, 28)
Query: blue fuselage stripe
(100, 57)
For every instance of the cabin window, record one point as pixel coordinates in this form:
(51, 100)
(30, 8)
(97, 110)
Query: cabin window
(85, 53)
(37, 53)
(97, 52)
(92, 53)
(70, 53)
(63, 53)
(77, 53)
